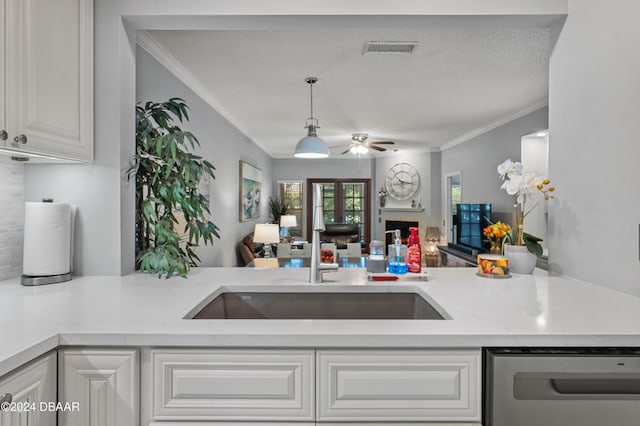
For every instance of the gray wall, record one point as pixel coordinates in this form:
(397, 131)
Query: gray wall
(104, 199)
(223, 145)
(593, 120)
(479, 158)
(594, 116)
(428, 165)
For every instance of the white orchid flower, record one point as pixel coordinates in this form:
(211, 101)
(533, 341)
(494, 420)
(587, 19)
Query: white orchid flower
(509, 168)
(512, 185)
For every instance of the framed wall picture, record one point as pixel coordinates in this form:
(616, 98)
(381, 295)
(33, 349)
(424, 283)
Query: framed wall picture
(250, 190)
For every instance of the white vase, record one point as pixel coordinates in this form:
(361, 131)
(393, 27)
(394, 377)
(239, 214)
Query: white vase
(521, 261)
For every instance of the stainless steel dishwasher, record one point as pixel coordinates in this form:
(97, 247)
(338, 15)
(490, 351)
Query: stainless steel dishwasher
(560, 387)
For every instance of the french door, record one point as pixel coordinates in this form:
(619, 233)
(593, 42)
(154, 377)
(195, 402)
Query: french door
(343, 201)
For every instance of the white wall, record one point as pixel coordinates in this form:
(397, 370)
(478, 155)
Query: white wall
(12, 218)
(223, 145)
(427, 164)
(332, 167)
(594, 118)
(535, 156)
(479, 158)
(94, 190)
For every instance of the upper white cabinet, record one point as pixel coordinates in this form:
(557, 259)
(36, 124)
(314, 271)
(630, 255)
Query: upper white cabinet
(28, 388)
(46, 78)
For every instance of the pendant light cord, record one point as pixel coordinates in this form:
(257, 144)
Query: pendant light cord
(311, 97)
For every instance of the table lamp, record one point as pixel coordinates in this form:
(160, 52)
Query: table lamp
(287, 221)
(266, 233)
(432, 239)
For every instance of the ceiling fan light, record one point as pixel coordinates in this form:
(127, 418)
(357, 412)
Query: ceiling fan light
(311, 147)
(359, 149)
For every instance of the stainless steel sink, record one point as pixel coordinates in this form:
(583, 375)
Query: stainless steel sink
(318, 302)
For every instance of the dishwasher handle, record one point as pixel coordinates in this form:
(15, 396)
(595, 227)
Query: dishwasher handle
(553, 386)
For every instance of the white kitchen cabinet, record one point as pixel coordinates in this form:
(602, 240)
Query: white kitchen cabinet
(232, 385)
(399, 385)
(30, 386)
(103, 382)
(46, 86)
(184, 386)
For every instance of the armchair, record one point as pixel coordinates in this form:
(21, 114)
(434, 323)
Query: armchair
(340, 234)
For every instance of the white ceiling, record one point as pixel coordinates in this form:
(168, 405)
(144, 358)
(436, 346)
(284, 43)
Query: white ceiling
(460, 81)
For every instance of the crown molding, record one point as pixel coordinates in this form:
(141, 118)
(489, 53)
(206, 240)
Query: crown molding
(166, 59)
(495, 124)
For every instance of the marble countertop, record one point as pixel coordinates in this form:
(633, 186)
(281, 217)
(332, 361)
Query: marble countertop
(141, 310)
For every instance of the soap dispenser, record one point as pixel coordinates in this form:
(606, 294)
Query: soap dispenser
(376, 262)
(414, 257)
(397, 255)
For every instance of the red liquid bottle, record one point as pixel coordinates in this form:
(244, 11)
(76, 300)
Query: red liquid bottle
(414, 252)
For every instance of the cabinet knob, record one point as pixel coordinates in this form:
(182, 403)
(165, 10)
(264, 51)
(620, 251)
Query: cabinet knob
(6, 398)
(3, 135)
(20, 139)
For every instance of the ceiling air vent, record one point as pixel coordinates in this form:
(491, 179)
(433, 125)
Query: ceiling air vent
(389, 47)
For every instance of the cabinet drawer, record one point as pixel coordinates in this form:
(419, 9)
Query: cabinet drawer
(233, 385)
(434, 385)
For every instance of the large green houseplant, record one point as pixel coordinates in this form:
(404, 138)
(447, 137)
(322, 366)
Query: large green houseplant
(167, 176)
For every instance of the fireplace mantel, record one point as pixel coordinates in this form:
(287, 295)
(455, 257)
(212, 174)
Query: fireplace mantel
(418, 219)
(402, 209)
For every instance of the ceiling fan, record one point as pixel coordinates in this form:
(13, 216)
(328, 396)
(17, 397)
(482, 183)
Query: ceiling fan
(359, 144)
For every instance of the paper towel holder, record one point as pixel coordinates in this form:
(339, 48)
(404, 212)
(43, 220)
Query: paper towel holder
(44, 279)
(33, 280)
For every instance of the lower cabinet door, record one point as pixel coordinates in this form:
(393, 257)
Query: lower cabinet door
(102, 383)
(401, 385)
(33, 390)
(232, 385)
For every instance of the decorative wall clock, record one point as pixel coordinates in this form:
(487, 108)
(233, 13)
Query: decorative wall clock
(402, 181)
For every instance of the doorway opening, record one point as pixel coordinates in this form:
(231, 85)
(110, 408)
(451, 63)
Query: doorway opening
(453, 194)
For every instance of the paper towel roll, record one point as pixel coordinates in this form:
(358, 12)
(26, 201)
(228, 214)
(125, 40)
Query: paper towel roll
(48, 231)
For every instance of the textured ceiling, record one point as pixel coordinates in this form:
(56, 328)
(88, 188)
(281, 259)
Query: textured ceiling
(457, 82)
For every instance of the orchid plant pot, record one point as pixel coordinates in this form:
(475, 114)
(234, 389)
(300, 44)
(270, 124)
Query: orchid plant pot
(521, 261)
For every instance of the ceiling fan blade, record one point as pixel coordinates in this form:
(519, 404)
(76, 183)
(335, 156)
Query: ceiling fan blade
(344, 152)
(381, 142)
(377, 148)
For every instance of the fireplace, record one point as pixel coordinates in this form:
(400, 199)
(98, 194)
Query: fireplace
(403, 224)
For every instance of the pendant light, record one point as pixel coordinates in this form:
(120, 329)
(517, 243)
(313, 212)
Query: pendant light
(311, 146)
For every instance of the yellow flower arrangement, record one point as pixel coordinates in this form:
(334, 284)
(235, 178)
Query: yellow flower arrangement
(496, 233)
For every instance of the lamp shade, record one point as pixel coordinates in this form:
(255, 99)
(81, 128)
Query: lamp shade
(433, 233)
(266, 233)
(311, 147)
(288, 220)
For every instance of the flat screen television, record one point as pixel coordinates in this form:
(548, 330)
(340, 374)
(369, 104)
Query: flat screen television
(470, 220)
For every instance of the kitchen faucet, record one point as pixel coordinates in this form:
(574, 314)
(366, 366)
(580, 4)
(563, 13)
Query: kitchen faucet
(316, 271)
